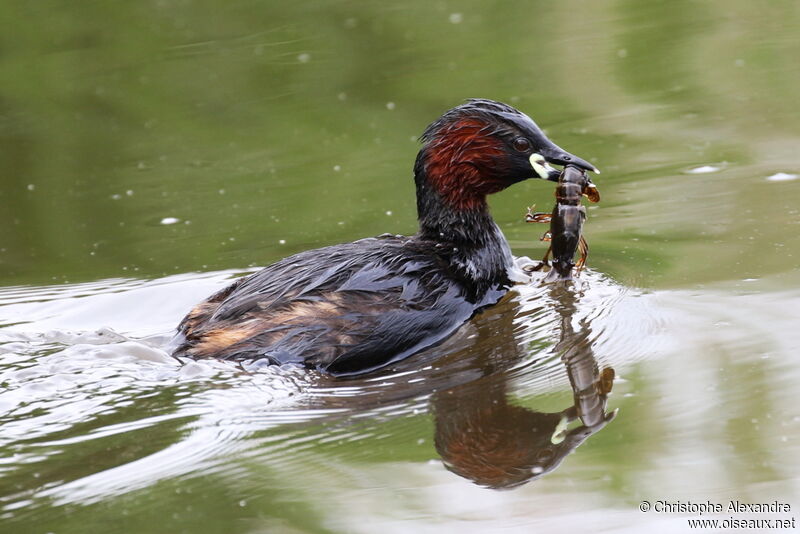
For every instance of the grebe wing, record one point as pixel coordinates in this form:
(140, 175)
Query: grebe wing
(345, 309)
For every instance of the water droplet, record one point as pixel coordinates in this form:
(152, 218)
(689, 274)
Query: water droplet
(282, 241)
(389, 213)
(169, 220)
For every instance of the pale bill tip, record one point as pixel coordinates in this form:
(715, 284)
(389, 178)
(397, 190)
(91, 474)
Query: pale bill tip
(539, 165)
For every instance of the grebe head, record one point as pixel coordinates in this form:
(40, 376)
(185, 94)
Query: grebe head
(482, 147)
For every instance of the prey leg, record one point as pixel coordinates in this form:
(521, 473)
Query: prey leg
(537, 216)
(540, 217)
(545, 261)
(583, 247)
(591, 192)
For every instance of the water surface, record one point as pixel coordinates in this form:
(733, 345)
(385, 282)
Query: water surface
(151, 153)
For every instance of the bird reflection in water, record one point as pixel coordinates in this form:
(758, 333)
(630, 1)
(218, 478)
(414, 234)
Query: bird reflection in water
(479, 433)
(483, 437)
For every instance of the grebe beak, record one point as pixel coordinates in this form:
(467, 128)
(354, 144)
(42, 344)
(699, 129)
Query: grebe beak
(559, 156)
(540, 161)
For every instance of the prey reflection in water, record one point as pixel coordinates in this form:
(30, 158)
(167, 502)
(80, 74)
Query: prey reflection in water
(483, 437)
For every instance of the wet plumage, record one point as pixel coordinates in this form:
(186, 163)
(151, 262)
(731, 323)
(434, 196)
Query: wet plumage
(352, 308)
(340, 307)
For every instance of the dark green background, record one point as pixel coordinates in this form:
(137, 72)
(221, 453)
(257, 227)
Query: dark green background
(234, 116)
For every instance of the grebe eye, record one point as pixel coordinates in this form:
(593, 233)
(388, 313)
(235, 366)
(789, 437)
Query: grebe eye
(521, 144)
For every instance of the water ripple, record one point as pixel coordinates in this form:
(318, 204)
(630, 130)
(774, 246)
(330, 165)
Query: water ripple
(113, 395)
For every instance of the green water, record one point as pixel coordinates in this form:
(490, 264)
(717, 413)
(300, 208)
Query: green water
(151, 150)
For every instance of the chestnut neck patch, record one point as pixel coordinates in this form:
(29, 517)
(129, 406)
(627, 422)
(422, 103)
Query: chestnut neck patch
(464, 162)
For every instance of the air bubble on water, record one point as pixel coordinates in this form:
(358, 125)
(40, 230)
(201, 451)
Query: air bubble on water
(304, 57)
(31, 187)
(703, 169)
(390, 106)
(782, 177)
(456, 18)
(282, 241)
(169, 220)
(337, 168)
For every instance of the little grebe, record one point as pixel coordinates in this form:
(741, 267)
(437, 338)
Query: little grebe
(352, 308)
